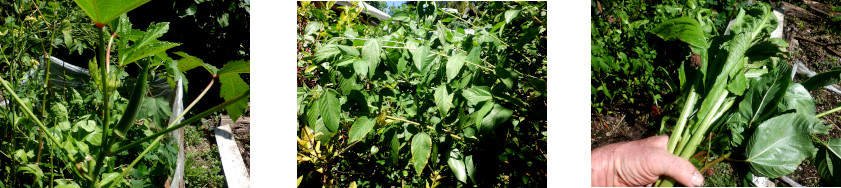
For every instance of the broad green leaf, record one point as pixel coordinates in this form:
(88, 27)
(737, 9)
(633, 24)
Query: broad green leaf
(781, 143)
(470, 167)
(738, 85)
(395, 147)
(59, 111)
(312, 113)
(401, 16)
(419, 56)
(456, 162)
(188, 62)
(31, 169)
(348, 83)
(103, 11)
(480, 114)
(360, 128)
(236, 67)
(454, 64)
(94, 138)
(329, 107)
(773, 47)
(506, 76)
(326, 53)
(443, 99)
(312, 27)
(823, 79)
(511, 14)
(497, 116)
(232, 87)
(473, 56)
(360, 66)
(110, 178)
(686, 29)
(764, 94)
(349, 50)
(828, 161)
(371, 53)
(442, 35)
(797, 97)
(421, 147)
(476, 94)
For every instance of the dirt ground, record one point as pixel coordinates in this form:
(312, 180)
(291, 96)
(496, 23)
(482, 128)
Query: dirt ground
(242, 132)
(813, 40)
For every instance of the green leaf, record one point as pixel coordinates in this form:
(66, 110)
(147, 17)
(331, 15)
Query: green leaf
(188, 62)
(828, 161)
(87, 125)
(797, 97)
(781, 143)
(312, 27)
(148, 44)
(454, 64)
(103, 11)
(94, 138)
(506, 76)
(686, 29)
(443, 99)
(360, 128)
(157, 108)
(349, 50)
(232, 87)
(470, 166)
(312, 114)
(109, 178)
(32, 169)
(773, 47)
(421, 147)
(360, 66)
(456, 163)
(497, 116)
(236, 67)
(764, 94)
(480, 114)
(371, 53)
(401, 16)
(419, 57)
(511, 14)
(328, 104)
(823, 79)
(59, 111)
(476, 94)
(326, 53)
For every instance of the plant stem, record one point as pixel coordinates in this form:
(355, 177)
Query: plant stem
(828, 112)
(710, 164)
(681, 122)
(474, 64)
(106, 144)
(184, 123)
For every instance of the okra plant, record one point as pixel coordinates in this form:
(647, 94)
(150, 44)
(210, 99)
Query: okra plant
(92, 149)
(738, 84)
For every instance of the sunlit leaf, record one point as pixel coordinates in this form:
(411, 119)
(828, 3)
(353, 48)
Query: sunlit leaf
(456, 162)
(454, 64)
(781, 143)
(103, 11)
(421, 147)
(329, 107)
(360, 128)
(232, 87)
(828, 161)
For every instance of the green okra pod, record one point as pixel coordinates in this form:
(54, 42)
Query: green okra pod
(135, 100)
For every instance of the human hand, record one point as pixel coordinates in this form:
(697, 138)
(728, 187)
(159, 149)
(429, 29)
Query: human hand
(640, 163)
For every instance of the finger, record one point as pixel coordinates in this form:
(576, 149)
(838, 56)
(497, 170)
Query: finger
(678, 169)
(659, 142)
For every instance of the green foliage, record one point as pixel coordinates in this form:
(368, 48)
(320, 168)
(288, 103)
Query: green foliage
(70, 142)
(421, 101)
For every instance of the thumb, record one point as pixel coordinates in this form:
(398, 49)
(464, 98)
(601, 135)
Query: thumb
(679, 169)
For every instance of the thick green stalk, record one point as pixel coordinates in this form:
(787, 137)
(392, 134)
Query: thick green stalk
(102, 56)
(681, 122)
(828, 112)
(699, 134)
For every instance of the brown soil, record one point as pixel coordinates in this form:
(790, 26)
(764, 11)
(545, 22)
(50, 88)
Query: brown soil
(242, 132)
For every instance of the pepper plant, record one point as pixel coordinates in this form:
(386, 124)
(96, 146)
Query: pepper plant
(738, 85)
(91, 150)
(419, 101)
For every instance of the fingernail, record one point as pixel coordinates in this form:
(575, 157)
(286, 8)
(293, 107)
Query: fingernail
(697, 179)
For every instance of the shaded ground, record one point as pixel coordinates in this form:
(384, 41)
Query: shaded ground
(812, 38)
(242, 132)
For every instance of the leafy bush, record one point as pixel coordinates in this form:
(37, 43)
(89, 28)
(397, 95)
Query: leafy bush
(415, 102)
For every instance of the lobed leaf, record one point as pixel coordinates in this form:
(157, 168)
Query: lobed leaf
(233, 86)
(236, 67)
